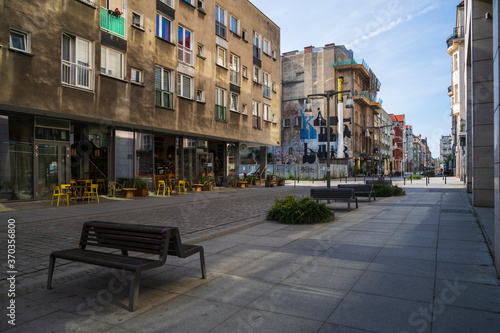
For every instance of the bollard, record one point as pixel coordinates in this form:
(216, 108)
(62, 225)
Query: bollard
(426, 180)
(445, 179)
(346, 180)
(404, 179)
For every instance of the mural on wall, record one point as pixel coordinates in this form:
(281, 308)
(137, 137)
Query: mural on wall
(313, 137)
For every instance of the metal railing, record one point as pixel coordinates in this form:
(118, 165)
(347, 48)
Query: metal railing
(220, 29)
(234, 77)
(164, 98)
(220, 112)
(77, 75)
(458, 32)
(112, 23)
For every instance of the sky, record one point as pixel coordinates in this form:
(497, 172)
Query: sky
(402, 41)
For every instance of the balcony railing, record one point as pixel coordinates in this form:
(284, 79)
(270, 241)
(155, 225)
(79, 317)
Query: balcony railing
(234, 77)
(367, 96)
(220, 112)
(220, 29)
(164, 99)
(267, 91)
(112, 23)
(77, 75)
(458, 32)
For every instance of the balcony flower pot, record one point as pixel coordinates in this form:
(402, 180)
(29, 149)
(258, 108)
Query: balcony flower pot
(115, 12)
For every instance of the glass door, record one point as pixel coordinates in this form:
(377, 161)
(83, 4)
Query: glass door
(51, 163)
(205, 167)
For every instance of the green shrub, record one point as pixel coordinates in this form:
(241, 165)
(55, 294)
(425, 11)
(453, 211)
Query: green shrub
(414, 177)
(290, 177)
(382, 190)
(290, 210)
(396, 190)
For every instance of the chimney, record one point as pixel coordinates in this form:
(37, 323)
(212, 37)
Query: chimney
(308, 49)
(329, 45)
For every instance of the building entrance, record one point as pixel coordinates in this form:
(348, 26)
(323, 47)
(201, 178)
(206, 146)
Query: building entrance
(51, 167)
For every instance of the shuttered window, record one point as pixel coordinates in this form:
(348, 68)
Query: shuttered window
(184, 86)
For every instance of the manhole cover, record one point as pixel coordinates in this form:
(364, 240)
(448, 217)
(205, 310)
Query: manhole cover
(456, 211)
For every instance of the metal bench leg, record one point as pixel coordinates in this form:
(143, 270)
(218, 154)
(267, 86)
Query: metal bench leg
(51, 271)
(202, 262)
(135, 284)
(356, 202)
(349, 205)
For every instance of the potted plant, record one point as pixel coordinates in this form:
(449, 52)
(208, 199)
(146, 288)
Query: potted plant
(141, 187)
(270, 180)
(116, 12)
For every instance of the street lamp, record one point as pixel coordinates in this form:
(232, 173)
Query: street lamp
(307, 108)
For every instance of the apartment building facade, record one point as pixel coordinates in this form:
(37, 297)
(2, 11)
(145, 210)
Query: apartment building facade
(123, 88)
(316, 70)
(456, 50)
(398, 142)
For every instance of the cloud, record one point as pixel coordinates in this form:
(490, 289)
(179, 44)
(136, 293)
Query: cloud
(382, 27)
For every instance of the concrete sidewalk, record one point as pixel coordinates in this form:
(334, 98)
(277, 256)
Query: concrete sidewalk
(417, 263)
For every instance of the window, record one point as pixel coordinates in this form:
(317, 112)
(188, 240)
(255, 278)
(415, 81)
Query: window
(191, 2)
(201, 4)
(244, 35)
(163, 85)
(455, 95)
(163, 28)
(267, 112)
(200, 96)
(257, 76)
(220, 104)
(201, 50)
(290, 151)
(185, 46)
(455, 62)
(297, 121)
(77, 62)
(20, 40)
(256, 45)
(168, 2)
(235, 25)
(221, 56)
(266, 48)
(267, 87)
(256, 112)
(137, 20)
(220, 21)
(286, 122)
(244, 109)
(274, 87)
(234, 65)
(184, 84)
(112, 62)
(244, 72)
(274, 118)
(234, 102)
(136, 76)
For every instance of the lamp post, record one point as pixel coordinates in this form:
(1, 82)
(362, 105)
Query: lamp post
(307, 108)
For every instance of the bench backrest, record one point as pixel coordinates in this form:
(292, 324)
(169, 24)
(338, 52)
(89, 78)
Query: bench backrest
(136, 238)
(357, 187)
(332, 192)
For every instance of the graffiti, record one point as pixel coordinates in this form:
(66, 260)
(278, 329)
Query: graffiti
(307, 131)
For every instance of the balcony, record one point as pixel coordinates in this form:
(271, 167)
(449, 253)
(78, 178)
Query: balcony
(256, 52)
(365, 98)
(77, 75)
(458, 33)
(267, 91)
(220, 30)
(112, 23)
(220, 112)
(257, 123)
(450, 91)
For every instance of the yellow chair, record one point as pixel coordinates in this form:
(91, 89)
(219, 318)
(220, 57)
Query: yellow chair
(161, 183)
(113, 186)
(181, 185)
(91, 192)
(57, 193)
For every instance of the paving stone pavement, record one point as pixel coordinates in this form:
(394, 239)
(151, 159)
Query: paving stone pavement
(417, 263)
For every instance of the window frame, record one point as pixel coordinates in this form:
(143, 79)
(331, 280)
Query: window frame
(220, 26)
(180, 85)
(122, 57)
(75, 67)
(266, 49)
(257, 75)
(234, 67)
(162, 85)
(182, 49)
(201, 94)
(220, 93)
(266, 112)
(141, 75)
(141, 20)
(158, 27)
(257, 114)
(218, 58)
(26, 40)
(237, 22)
(237, 99)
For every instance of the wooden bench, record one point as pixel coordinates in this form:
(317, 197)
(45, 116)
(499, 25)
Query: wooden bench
(336, 194)
(378, 181)
(360, 189)
(104, 237)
